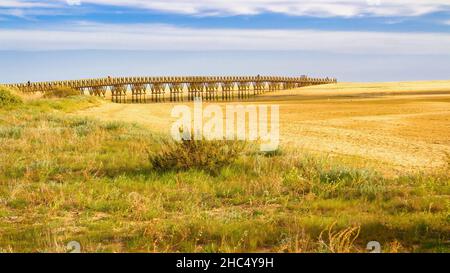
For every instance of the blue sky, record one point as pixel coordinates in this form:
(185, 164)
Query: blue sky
(354, 40)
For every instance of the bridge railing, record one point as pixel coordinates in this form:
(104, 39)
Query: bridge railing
(207, 87)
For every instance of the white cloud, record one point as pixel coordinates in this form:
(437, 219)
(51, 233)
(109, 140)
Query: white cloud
(321, 8)
(23, 8)
(73, 2)
(347, 8)
(13, 12)
(85, 35)
(26, 4)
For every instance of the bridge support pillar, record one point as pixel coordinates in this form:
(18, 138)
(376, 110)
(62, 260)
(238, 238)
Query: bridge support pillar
(138, 93)
(98, 91)
(119, 93)
(81, 90)
(227, 90)
(243, 90)
(273, 86)
(258, 87)
(195, 90)
(158, 90)
(211, 91)
(176, 91)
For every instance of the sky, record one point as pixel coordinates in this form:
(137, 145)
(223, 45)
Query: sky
(353, 40)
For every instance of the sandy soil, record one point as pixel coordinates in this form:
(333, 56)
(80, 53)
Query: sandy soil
(396, 126)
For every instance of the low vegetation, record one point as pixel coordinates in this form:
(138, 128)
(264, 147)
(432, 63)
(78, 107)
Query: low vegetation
(209, 156)
(61, 92)
(8, 97)
(65, 178)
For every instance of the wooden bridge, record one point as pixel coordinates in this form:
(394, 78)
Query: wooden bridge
(143, 89)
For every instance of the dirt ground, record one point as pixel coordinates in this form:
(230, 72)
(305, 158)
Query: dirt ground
(402, 126)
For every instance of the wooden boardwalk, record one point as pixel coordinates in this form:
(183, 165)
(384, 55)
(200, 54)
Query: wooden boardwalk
(156, 89)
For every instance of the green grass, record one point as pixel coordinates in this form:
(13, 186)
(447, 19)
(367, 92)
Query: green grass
(61, 92)
(8, 98)
(65, 178)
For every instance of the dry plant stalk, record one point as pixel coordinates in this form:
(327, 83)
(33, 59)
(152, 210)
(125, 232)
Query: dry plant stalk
(340, 241)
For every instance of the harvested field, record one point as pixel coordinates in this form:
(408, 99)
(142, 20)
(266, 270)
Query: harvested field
(393, 127)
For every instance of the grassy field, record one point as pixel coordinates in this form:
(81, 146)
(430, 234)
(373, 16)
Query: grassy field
(83, 169)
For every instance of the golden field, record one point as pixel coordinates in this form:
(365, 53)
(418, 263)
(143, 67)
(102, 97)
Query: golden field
(394, 127)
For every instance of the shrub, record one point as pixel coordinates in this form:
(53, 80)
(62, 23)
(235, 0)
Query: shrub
(113, 125)
(205, 155)
(337, 175)
(83, 126)
(7, 97)
(14, 132)
(61, 92)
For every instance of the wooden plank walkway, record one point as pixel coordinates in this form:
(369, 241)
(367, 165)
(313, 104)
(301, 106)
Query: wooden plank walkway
(144, 89)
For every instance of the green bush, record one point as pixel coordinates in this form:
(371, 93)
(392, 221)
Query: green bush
(205, 155)
(7, 97)
(61, 92)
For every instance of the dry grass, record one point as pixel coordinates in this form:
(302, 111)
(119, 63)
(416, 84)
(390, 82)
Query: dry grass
(341, 241)
(64, 177)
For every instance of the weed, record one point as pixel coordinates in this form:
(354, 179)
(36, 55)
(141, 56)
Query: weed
(61, 92)
(205, 155)
(341, 241)
(8, 98)
(14, 132)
